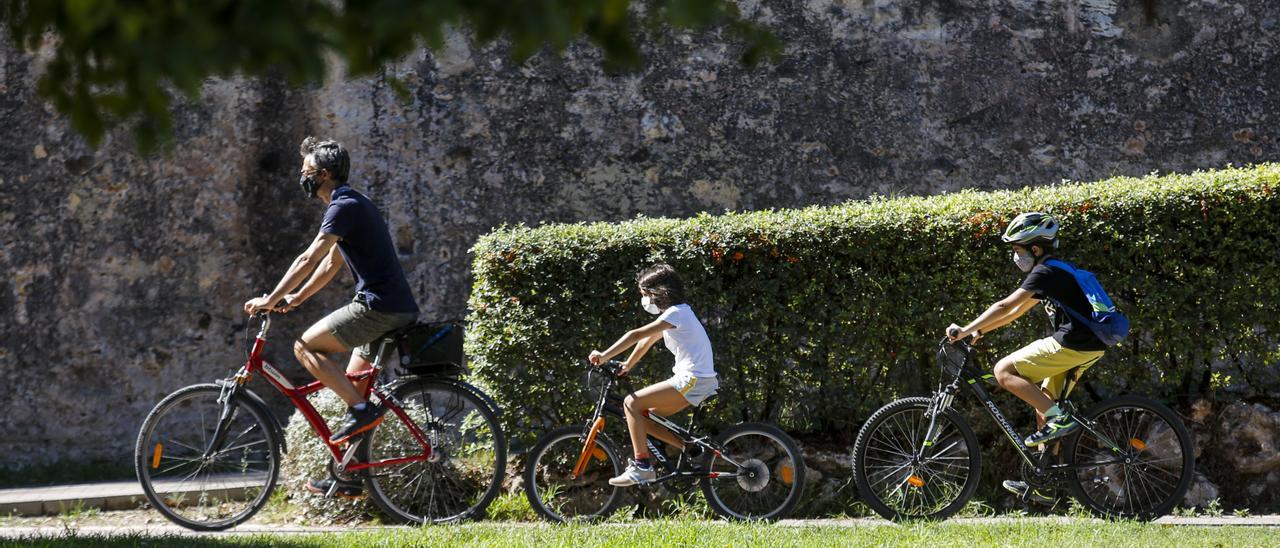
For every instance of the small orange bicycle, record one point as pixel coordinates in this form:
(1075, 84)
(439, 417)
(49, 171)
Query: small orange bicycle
(750, 471)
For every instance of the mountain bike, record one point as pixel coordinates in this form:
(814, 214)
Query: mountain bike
(918, 458)
(208, 456)
(749, 471)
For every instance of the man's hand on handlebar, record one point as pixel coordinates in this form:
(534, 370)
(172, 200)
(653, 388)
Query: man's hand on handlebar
(261, 304)
(290, 302)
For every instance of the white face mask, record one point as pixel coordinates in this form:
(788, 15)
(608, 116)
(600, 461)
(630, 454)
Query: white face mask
(649, 306)
(1025, 262)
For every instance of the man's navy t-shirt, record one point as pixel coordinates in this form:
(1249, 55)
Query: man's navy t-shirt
(366, 245)
(1059, 285)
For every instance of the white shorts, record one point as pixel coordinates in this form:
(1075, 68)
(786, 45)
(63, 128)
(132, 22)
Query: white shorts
(694, 389)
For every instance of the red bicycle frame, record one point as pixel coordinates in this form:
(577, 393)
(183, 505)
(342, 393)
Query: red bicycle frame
(298, 397)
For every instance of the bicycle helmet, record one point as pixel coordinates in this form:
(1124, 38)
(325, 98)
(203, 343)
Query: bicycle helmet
(1033, 228)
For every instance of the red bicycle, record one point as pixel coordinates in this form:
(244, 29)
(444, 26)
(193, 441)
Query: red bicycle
(208, 455)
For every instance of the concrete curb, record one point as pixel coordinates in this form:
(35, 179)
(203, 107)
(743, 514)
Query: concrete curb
(57, 499)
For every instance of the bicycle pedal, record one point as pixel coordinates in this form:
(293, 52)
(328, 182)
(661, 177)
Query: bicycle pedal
(350, 452)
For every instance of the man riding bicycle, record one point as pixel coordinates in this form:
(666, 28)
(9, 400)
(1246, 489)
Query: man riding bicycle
(353, 232)
(1034, 238)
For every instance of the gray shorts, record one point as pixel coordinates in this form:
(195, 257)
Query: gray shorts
(695, 389)
(357, 326)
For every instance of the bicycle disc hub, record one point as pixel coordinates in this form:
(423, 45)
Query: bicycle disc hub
(753, 476)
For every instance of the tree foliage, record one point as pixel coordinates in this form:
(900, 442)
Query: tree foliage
(120, 61)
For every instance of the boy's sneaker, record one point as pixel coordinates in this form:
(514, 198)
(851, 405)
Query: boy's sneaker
(1027, 493)
(334, 488)
(358, 422)
(1056, 427)
(633, 475)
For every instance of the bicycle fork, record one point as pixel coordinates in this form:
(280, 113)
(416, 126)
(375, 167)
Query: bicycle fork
(228, 414)
(939, 405)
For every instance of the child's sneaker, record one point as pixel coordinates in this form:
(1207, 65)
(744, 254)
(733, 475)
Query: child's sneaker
(633, 475)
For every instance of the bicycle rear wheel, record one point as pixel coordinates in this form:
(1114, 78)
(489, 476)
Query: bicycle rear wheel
(902, 476)
(556, 494)
(195, 482)
(1149, 474)
(759, 474)
(467, 463)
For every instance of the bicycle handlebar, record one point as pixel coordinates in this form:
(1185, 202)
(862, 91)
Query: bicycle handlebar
(612, 367)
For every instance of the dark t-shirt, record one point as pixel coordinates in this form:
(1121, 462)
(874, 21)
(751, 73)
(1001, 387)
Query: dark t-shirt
(1052, 283)
(366, 245)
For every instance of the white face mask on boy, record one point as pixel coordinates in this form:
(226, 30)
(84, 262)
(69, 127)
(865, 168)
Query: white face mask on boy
(649, 306)
(1025, 262)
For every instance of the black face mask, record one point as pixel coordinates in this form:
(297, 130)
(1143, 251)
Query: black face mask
(309, 185)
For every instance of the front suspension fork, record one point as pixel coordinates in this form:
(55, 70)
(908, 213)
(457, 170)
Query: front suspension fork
(941, 401)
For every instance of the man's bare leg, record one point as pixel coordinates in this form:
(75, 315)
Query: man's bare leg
(356, 365)
(311, 352)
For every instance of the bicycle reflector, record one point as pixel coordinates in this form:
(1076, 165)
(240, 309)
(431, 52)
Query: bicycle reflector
(1137, 444)
(155, 456)
(787, 473)
(915, 481)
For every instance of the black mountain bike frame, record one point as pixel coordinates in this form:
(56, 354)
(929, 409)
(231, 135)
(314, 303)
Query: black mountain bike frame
(1040, 461)
(609, 403)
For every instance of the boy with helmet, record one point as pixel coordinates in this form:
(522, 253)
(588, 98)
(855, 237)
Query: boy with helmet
(1034, 238)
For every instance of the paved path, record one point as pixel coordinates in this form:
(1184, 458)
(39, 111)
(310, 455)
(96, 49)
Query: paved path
(154, 530)
(115, 495)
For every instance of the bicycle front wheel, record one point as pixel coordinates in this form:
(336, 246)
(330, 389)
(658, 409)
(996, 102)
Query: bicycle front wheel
(198, 476)
(555, 493)
(1136, 462)
(901, 475)
(758, 475)
(467, 463)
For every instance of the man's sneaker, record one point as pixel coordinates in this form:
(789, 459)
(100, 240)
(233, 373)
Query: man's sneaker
(358, 422)
(334, 488)
(1026, 493)
(1055, 428)
(634, 474)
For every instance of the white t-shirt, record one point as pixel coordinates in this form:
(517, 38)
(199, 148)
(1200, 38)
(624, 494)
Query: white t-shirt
(688, 341)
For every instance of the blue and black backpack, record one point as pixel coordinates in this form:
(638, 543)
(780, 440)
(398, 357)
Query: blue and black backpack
(1106, 322)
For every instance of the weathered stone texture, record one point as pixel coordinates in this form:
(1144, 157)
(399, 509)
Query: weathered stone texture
(124, 274)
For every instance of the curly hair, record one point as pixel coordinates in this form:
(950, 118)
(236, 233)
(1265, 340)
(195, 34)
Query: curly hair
(329, 156)
(662, 284)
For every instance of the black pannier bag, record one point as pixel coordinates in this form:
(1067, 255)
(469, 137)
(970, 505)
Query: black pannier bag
(432, 348)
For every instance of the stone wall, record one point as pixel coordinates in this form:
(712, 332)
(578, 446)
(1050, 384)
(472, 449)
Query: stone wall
(125, 273)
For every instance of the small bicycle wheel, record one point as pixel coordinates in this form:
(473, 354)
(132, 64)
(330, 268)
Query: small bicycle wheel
(191, 481)
(558, 495)
(901, 475)
(1138, 465)
(467, 463)
(758, 475)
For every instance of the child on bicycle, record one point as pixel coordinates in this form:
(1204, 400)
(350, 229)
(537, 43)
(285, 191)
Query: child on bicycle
(694, 375)
(1034, 238)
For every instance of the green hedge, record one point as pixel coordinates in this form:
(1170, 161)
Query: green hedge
(819, 315)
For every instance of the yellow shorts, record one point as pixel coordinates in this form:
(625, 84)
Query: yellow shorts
(1046, 360)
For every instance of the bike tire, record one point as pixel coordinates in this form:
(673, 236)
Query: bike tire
(469, 456)
(554, 456)
(1145, 435)
(731, 497)
(148, 454)
(877, 430)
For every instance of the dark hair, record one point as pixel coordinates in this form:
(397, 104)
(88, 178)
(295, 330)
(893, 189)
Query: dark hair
(329, 156)
(662, 284)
